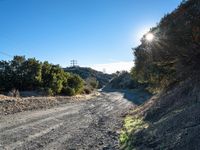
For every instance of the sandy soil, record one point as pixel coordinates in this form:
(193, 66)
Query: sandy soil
(92, 124)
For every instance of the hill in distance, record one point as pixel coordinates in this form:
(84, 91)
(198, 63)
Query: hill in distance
(85, 72)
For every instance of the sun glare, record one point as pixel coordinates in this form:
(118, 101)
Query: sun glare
(149, 37)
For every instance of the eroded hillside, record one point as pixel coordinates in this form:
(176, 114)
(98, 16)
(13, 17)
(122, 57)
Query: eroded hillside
(170, 64)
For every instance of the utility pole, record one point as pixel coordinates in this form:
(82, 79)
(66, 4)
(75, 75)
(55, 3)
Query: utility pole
(104, 70)
(73, 63)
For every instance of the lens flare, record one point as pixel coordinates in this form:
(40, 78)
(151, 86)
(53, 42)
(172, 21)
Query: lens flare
(149, 37)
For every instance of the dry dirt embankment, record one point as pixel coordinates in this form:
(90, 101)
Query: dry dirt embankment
(10, 105)
(167, 121)
(91, 124)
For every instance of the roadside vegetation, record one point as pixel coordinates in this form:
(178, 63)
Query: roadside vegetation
(125, 80)
(173, 55)
(90, 85)
(32, 75)
(131, 126)
(169, 64)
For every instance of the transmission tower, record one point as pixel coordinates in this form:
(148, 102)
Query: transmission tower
(73, 63)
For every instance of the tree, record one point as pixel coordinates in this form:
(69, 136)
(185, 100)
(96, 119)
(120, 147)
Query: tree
(174, 54)
(53, 77)
(32, 74)
(5, 76)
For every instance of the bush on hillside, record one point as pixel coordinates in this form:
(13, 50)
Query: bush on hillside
(86, 73)
(48, 92)
(76, 83)
(124, 80)
(173, 55)
(68, 91)
(92, 82)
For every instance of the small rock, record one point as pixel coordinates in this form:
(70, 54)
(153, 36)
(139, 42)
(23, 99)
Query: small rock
(100, 143)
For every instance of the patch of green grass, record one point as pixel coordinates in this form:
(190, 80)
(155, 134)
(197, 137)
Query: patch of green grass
(131, 125)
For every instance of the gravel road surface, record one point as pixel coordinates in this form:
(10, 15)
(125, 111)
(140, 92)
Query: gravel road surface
(89, 125)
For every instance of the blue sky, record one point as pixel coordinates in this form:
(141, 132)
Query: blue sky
(97, 33)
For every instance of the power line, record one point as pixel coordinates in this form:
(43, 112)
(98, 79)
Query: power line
(6, 54)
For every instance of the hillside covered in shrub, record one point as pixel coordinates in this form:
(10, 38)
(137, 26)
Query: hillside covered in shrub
(170, 64)
(124, 80)
(173, 55)
(87, 73)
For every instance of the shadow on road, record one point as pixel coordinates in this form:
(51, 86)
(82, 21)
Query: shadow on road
(136, 96)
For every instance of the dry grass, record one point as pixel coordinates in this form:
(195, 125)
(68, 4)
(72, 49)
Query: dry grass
(10, 105)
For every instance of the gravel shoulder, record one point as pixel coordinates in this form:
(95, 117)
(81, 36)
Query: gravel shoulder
(92, 124)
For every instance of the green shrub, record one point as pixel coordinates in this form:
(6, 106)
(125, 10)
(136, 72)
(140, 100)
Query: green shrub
(173, 55)
(131, 125)
(48, 92)
(31, 74)
(75, 82)
(92, 82)
(68, 91)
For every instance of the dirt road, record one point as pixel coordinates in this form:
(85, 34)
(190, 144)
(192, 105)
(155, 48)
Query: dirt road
(91, 124)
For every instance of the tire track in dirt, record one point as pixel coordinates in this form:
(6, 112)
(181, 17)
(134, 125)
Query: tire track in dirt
(89, 124)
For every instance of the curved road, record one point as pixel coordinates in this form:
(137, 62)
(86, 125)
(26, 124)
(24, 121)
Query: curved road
(89, 125)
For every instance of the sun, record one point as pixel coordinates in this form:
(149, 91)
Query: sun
(149, 37)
